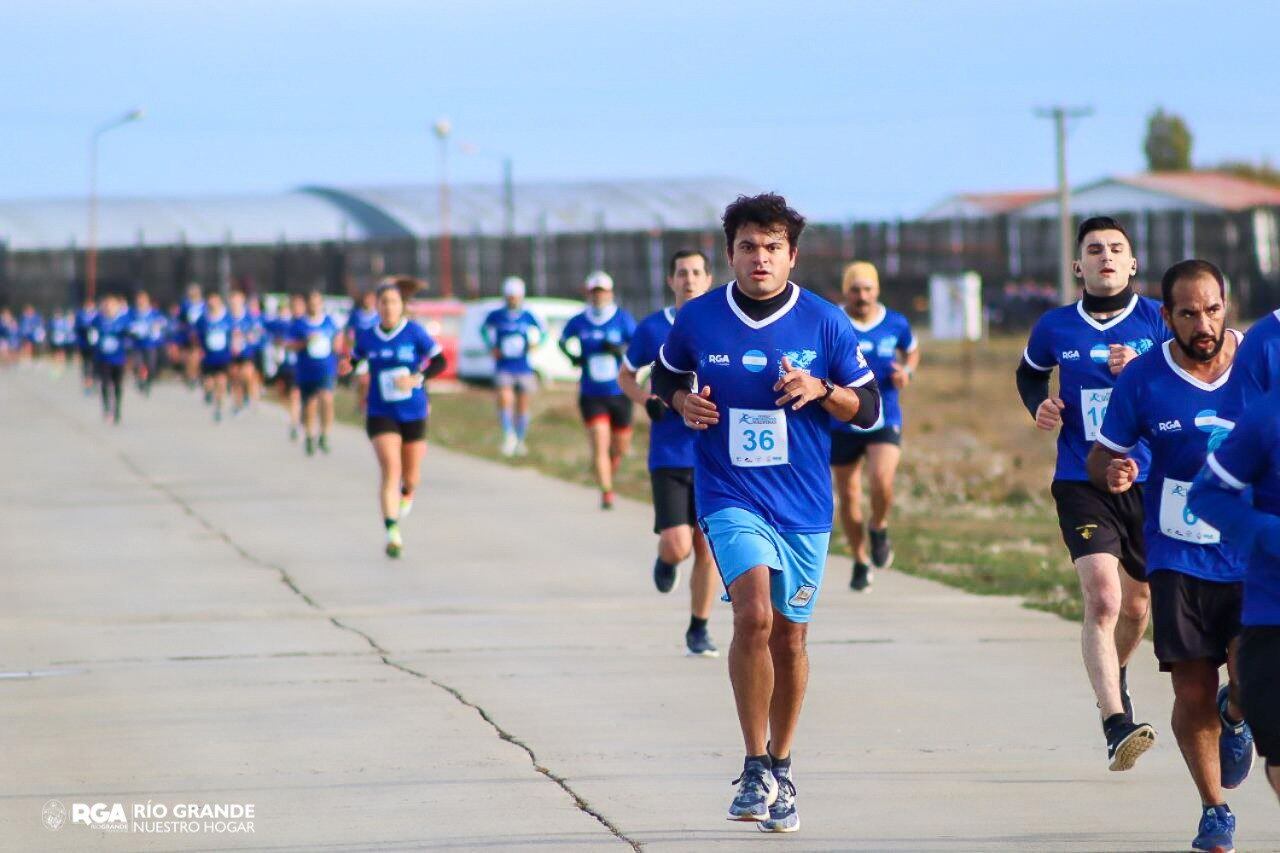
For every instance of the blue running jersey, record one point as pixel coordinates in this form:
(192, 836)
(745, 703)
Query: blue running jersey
(62, 331)
(214, 335)
(246, 335)
(111, 338)
(599, 335)
(1076, 344)
(361, 320)
(671, 443)
(401, 352)
(511, 333)
(1158, 402)
(31, 328)
(880, 342)
(766, 460)
(147, 328)
(1257, 366)
(1250, 456)
(189, 313)
(317, 361)
(86, 328)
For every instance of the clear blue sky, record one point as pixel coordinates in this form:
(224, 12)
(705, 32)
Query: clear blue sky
(852, 108)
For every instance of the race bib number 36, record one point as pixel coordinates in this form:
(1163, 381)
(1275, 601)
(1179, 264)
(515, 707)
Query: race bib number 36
(1093, 408)
(1179, 522)
(758, 437)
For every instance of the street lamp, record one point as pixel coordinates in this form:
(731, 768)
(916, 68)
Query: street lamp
(91, 255)
(508, 184)
(442, 129)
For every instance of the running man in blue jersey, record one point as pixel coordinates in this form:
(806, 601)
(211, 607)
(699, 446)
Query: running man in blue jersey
(189, 311)
(1257, 369)
(146, 333)
(602, 333)
(31, 331)
(86, 343)
(511, 333)
(671, 458)
(62, 337)
(213, 331)
(364, 316)
(759, 367)
(111, 351)
(313, 336)
(1171, 398)
(1090, 342)
(1249, 458)
(246, 337)
(890, 347)
(399, 357)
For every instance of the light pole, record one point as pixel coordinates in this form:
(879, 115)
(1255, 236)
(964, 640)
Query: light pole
(442, 128)
(1059, 114)
(508, 194)
(91, 253)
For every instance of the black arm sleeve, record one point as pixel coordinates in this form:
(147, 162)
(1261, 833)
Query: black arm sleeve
(667, 382)
(868, 405)
(575, 360)
(435, 367)
(1033, 386)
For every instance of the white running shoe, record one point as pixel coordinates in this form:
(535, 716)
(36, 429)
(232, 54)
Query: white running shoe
(522, 449)
(406, 506)
(509, 443)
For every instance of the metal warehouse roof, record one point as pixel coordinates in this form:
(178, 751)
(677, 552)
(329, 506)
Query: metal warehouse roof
(319, 213)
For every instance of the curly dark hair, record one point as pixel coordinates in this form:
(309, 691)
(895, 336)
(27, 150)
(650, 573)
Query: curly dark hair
(767, 210)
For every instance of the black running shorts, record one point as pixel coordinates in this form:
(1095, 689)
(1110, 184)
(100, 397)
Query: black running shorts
(1098, 522)
(617, 409)
(672, 498)
(375, 425)
(214, 369)
(1259, 671)
(1193, 619)
(849, 447)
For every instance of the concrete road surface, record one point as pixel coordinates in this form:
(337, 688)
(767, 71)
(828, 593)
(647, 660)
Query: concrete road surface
(196, 617)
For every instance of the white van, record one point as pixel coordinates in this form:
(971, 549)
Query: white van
(475, 364)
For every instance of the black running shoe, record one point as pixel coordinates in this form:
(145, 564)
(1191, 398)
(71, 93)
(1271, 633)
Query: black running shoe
(862, 577)
(1126, 741)
(665, 576)
(310, 446)
(881, 549)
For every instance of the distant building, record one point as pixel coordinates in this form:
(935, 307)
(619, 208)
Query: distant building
(1159, 192)
(983, 205)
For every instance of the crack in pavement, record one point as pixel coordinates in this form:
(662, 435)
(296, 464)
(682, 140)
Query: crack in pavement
(383, 654)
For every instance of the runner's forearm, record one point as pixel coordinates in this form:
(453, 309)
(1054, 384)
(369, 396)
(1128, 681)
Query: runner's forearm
(1033, 386)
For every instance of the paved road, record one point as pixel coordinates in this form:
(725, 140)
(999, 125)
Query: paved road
(199, 614)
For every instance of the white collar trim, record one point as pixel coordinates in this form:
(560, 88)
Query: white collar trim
(386, 336)
(1167, 348)
(670, 314)
(868, 326)
(1102, 326)
(775, 316)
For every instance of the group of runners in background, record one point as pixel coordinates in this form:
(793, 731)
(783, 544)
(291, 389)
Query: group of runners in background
(760, 393)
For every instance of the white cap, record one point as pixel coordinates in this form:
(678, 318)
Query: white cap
(513, 286)
(599, 280)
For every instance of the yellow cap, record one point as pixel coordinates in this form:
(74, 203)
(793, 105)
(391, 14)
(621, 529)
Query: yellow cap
(858, 269)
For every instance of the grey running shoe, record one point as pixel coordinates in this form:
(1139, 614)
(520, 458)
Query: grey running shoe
(862, 577)
(782, 814)
(757, 790)
(698, 644)
(881, 548)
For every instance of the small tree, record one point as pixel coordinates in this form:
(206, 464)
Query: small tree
(1168, 143)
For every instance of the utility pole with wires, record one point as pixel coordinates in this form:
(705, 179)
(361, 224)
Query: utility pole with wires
(1060, 114)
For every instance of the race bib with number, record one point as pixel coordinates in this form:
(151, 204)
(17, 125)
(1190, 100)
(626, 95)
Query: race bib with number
(602, 367)
(392, 393)
(110, 344)
(215, 340)
(758, 437)
(1177, 521)
(319, 346)
(1093, 408)
(512, 346)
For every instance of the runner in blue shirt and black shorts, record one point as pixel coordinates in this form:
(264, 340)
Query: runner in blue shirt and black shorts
(511, 333)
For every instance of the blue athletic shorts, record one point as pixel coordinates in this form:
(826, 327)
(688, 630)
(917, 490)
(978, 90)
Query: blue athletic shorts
(742, 540)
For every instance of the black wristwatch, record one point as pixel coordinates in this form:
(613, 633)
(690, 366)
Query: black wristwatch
(827, 383)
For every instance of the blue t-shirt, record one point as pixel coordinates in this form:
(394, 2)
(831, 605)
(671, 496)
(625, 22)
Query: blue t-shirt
(880, 342)
(1250, 456)
(766, 460)
(1176, 414)
(147, 328)
(1076, 344)
(596, 334)
(671, 443)
(400, 352)
(512, 333)
(62, 331)
(317, 361)
(1257, 366)
(189, 313)
(31, 328)
(246, 335)
(111, 338)
(214, 335)
(361, 320)
(86, 327)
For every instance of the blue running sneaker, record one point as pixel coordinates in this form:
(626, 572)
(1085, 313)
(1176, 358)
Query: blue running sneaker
(1217, 826)
(698, 644)
(782, 814)
(757, 790)
(1235, 746)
